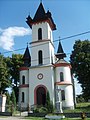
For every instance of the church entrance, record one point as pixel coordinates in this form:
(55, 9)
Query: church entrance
(41, 96)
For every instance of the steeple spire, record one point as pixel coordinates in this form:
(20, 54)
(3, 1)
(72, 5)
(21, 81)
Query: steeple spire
(41, 16)
(60, 53)
(27, 57)
(40, 1)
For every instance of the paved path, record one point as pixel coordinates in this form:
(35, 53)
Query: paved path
(16, 117)
(12, 118)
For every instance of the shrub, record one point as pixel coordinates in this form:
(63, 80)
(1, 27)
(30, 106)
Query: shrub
(36, 110)
(43, 110)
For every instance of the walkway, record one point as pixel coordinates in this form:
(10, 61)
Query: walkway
(16, 117)
(12, 118)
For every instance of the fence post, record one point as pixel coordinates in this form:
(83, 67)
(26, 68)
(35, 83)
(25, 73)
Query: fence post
(83, 115)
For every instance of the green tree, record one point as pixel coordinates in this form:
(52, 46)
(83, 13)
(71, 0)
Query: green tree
(8, 98)
(80, 61)
(47, 98)
(4, 75)
(49, 104)
(14, 63)
(13, 99)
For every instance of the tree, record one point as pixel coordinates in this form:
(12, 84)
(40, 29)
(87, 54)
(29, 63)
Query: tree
(13, 99)
(80, 61)
(4, 75)
(49, 104)
(14, 63)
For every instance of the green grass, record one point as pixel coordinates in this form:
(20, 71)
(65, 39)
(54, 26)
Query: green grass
(40, 118)
(80, 107)
(35, 118)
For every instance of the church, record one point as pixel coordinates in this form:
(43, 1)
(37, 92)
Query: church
(44, 71)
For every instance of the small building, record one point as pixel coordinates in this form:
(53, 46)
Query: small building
(43, 70)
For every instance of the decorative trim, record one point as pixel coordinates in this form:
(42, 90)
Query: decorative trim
(24, 86)
(23, 68)
(38, 41)
(62, 65)
(63, 83)
(35, 94)
(47, 20)
(40, 76)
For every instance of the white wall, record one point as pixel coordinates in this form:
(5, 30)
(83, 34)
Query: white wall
(23, 89)
(46, 31)
(47, 49)
(66, 73)
(68, 102)
(26, 74)
(47, 81)
(26, 95)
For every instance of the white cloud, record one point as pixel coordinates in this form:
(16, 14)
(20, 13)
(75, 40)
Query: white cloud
(78, 89)
(7, 36)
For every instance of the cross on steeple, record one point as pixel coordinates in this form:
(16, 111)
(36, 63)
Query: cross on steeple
(27, 44)
(59, 39)
(60, 53)
(40, 1)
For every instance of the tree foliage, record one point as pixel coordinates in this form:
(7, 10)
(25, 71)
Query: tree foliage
(80, 61)
(14, 63)
(13, 98)
(4, 75)
(49, 104)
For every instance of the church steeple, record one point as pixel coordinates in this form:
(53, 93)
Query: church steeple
(41, 16)
(27, 58)
(60, 53)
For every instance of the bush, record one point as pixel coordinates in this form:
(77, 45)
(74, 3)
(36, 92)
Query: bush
(43, 110)
(40, 110)
(36, 110)
(80, 99)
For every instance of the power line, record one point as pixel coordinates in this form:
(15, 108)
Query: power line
(73, 36)
(68, 37)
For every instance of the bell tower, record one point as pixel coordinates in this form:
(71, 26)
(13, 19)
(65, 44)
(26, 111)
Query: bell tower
(42, 48)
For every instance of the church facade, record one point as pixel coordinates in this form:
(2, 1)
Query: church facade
(43, 70)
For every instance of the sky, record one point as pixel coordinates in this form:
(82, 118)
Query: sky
(70, 16)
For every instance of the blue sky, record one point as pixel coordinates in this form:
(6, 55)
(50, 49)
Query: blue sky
(71, 17)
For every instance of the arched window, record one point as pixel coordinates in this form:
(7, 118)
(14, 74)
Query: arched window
(61, 76)
(40, 57)
(22, 96)
(63, 94)
(39, 33)
(23, 79)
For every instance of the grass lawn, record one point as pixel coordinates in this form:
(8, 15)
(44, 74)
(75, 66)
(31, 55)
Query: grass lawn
(81, 107)
(40, 118)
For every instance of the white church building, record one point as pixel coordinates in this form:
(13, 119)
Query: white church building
(43, 70)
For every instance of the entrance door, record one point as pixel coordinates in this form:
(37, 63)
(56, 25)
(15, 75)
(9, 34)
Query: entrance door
(41, 96)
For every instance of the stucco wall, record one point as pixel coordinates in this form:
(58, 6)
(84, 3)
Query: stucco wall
(47, 81)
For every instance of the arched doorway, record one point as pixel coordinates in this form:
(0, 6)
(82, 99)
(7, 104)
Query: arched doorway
(41, 96)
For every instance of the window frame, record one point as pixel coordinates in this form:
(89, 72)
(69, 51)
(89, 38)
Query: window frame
(40, 57)
(61, 77)
(23, 97)
(23, 79)
(40, 34)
